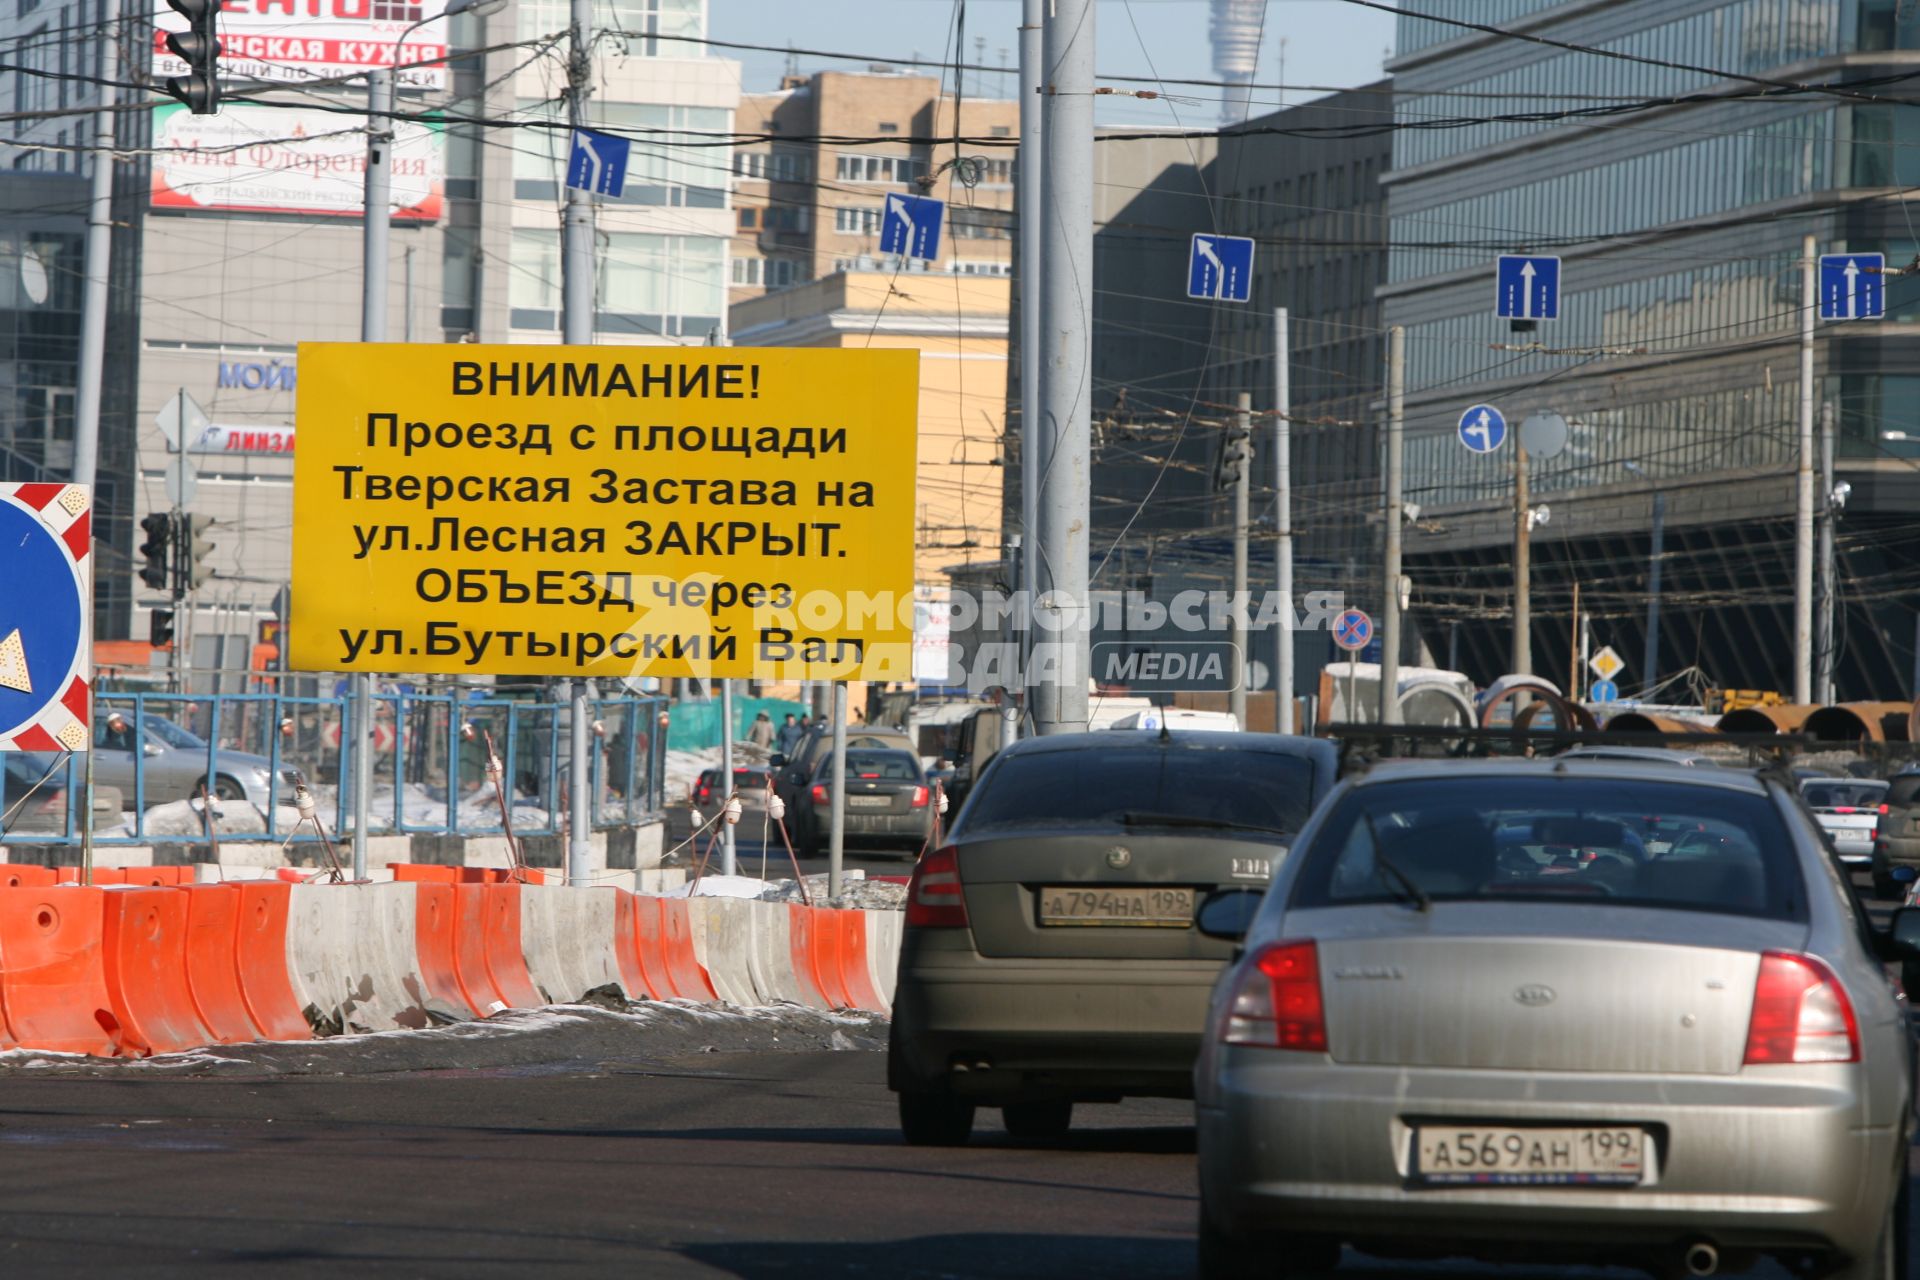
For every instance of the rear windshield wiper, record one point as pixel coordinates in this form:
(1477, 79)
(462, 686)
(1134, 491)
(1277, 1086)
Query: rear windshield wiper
(1187, 820)
(1409, 890)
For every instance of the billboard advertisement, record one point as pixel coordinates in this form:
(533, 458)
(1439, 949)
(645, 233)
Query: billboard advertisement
(301, 41)
(271, 160)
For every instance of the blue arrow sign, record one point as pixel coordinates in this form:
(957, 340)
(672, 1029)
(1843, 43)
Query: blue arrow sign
(598, 163)
(1852, 286)
(1220, 268)
(1483, 429)
(1352, 630)
(1603, 691)
(45, 615)
(1529, 288)
(910, 226)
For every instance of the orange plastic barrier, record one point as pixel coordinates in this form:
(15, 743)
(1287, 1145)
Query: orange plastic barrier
(424, 873)
(499, 875)
(800, 951)
(676, 946)
(636, 947)
(829, 964)
(436, 950)
(154, 877)
(144, 936)
(213, 968)
(489, 963)
(53, 984)
(26, 876)
(260, 958)
(854, 974)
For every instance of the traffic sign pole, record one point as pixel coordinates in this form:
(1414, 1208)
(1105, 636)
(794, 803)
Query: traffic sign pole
(1803, 487)
(1522, 566)
(1390, 580)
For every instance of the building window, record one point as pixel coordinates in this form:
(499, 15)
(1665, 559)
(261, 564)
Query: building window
(857, 221)
(792, 217)
(1002, 131)
(896, 170)
(888, 126)
(642, 22)
(749, 218)
(750, 164)
(981, 224)
(746, 271)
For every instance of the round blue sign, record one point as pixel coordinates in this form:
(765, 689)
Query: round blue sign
(1603, 691)
(43, 607)
(1483, 429)
(1352, 630)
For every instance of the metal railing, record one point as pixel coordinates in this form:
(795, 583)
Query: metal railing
(154, 751)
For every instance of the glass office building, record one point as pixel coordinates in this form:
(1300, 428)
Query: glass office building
(1675, 355)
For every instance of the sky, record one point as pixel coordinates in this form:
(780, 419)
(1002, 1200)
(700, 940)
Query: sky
(1328, 43)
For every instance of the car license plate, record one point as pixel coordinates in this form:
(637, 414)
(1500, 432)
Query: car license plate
(1147, 906)
(869, 802)
(1448, 1156)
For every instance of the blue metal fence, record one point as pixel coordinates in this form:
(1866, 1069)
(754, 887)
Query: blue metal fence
(153, 750)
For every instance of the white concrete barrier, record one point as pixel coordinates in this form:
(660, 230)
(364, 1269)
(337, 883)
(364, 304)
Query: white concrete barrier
(722, 935)
(567, 938)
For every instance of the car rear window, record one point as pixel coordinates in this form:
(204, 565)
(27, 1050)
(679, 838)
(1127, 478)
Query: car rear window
(1841, 795)
(1185, 786)
(1595, 841)
(889, 766)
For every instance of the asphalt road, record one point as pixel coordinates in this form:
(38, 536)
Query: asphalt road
(753, 1165)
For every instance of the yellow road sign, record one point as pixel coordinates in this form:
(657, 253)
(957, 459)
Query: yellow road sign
(605, 511)
(1606, 664)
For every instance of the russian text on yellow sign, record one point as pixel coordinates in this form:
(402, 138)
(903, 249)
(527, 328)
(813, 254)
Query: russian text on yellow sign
(601, 511)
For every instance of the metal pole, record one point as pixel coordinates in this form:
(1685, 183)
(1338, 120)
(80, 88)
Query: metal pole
(1242, 446)
(727, 853)
(580, 790)
(95, 300)
(1390, 614)
(1573, 647)
(837, 793)
(1823, 654)
(1033, 444)
(1650, 669)
(375, 224)
(1803, 489)
(1283, 522)
(576, 328)
(1522, 566)
(1066, 267)
(406, 292)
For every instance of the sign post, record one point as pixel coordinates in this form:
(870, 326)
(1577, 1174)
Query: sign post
(1353, 631)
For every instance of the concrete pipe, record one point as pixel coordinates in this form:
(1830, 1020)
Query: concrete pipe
(1860, 721)
(1647, 722)
(1765, 719)
(1431, 704)
(1566, 715)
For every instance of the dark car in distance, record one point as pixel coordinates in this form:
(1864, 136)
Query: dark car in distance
(889, 802)
(1050, 955)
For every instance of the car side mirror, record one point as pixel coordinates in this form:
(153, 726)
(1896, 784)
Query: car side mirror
(1229, 913)
(1904, 875)
(155, 749)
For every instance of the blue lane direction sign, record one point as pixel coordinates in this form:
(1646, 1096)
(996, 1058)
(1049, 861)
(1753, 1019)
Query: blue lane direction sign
(1529, 288)
(910, 226)
(1352, 630)
(598, 163)
(1852, 286)
(1603, 691)
(1220, 268)
(1483, 429)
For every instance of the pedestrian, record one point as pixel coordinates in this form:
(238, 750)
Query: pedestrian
(790, 734)
(761, 734)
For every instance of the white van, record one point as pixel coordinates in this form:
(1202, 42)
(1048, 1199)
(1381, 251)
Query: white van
(1180, 718)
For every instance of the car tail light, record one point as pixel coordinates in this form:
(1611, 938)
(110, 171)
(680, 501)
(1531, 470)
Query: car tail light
(1278, 1003)
(1883, 811)
(702, 794)
(1800, 1014)
(919, 797)
(819, 793)
(934, 897)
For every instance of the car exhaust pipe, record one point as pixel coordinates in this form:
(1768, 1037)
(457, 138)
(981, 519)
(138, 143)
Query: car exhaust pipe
(1702, 1259)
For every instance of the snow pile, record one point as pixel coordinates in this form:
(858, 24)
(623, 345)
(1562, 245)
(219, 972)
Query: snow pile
(184, 820)
(478, 810)
(856, 892)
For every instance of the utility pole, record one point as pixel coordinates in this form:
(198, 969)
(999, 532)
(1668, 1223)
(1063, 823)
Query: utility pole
(1823, 654)
(727, 851)
(837, 794)
(1066, 330)
(1803, 487)
(1650, 666)
(576, 308)
(95, 299)
(1241, 451)
(1033, 441)
(1522, 565)
(1283, 520)
(375, 222)
(1390, 613)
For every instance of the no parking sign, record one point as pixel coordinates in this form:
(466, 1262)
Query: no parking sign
(46, 617)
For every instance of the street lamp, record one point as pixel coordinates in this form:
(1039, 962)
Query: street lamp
(1651, 667)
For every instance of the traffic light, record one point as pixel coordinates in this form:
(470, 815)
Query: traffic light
(194, 548)
(159, 529)
(160, 628)
(199, 48)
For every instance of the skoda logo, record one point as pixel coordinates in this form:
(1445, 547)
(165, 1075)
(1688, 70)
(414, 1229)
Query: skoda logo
(1534, 995)
(1119, 856)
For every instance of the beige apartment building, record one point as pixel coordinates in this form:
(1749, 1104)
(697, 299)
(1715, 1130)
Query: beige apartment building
(805, 210)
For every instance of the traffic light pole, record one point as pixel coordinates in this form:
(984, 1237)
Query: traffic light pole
(94, 303)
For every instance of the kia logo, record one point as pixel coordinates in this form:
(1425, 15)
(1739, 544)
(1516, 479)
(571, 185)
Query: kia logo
(1534, 995)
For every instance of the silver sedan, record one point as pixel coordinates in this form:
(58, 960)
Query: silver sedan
(1594, 1011)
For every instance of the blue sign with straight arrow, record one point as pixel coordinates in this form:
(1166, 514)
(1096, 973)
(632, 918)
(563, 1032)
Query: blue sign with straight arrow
(1853, 286)
(1529, 288)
